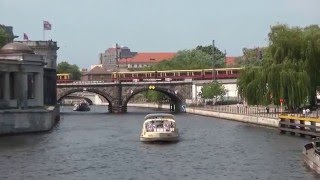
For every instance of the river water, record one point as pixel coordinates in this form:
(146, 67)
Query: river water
(98, 145)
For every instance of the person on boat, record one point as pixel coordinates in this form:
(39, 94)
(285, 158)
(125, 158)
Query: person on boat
(166, 126)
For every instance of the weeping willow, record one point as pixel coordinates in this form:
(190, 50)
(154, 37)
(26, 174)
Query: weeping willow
(290, 71)
(268, 84)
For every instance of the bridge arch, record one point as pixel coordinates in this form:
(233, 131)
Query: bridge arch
(88, 100)
(107, 96)
(175, 97)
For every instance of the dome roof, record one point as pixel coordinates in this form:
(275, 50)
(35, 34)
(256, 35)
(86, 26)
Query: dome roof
(16, 47)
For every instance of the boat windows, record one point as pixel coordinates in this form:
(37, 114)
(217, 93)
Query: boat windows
(159, 126)
(308, 146)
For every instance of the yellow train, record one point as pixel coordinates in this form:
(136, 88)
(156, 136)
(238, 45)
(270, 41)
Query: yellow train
(64, 78)
(176, 75)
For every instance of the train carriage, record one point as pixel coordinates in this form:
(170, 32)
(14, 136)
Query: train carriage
(64, 78)
(177, 75)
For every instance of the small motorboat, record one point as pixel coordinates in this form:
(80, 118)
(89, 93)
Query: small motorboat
(82, 106)
(311, 154)
(159, 127)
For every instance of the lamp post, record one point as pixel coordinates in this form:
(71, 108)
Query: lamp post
(213, 53)
(117, 63)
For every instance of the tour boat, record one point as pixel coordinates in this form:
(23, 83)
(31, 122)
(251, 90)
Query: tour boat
(159, 128)
(82, 106)
(311, 155)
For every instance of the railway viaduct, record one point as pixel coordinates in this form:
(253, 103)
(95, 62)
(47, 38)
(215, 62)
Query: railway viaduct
(118, 94)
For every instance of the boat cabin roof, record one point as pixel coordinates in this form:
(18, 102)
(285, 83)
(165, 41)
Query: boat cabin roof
(159, 116)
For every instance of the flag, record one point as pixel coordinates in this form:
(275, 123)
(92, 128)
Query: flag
(25, 37)
(46, 25)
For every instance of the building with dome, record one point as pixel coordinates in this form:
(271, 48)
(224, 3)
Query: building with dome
(22, 91)
(48, 49)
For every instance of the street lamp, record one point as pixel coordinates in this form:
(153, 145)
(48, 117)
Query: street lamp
(117, 63)
(213, 53)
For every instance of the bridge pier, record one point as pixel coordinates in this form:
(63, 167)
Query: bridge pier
(171, 107)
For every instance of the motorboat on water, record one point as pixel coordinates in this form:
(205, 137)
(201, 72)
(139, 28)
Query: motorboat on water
(311, 154)
(82, 106)
(159, 127)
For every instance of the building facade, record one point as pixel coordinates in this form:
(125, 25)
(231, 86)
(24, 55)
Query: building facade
(21, 77)
(47, 49)
(142, 60)
(97, 73)
(109, 58)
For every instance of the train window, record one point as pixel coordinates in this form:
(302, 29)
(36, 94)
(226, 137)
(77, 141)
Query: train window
(152, 74)
(235, 72)
(169, 74)
(183, 74)
(142, 75)
(221, 72)
(208, 72)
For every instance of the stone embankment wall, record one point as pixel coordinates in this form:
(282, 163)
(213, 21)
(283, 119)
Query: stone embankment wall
(29, 120)
(265, 121)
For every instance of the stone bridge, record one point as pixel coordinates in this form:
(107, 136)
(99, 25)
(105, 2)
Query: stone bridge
(118, 94)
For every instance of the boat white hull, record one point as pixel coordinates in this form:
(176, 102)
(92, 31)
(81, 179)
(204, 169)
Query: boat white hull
(312, 160)
(158, 137)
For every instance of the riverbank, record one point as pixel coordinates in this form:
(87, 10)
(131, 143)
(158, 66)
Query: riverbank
(253, 119)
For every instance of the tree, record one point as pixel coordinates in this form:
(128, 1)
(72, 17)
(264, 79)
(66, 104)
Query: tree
(289, 69)
(199, 58)
(155, 96)
(213, 90)
(219, 56)
(65, 67)
(4, 37)
(252, 56)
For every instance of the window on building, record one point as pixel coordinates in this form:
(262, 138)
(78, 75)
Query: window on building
(31, 85)
(12, 85)
(2, 86)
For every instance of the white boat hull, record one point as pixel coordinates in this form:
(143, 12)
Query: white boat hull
(312, 160)
(156, 137)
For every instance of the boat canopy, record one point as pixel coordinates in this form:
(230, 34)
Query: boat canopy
(159, 116)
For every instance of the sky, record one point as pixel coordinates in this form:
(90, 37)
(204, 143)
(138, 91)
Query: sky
(85, 28)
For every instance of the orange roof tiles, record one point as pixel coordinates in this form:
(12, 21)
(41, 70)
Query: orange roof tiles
(148, 58)
(230, 60)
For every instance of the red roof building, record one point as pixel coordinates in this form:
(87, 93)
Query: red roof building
(141, 60)
(230, 60)
(97, 73)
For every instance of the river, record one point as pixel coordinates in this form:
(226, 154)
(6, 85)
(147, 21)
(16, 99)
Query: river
(99, 145)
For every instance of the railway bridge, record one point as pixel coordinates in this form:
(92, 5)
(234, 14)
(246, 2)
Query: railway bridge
(118, 94)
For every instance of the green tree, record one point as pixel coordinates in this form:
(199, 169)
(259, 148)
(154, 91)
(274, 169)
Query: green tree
(155, 96)
(4, 37)
(186, 59)
(289, 69)
(198, 58)
(65, 67)
(219, 56)
(213, 90)
(252, 56)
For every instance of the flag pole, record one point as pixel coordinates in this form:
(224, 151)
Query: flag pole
(43, 31)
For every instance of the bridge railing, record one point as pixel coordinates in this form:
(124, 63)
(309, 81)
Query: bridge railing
(261, 111)
(103, 82)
